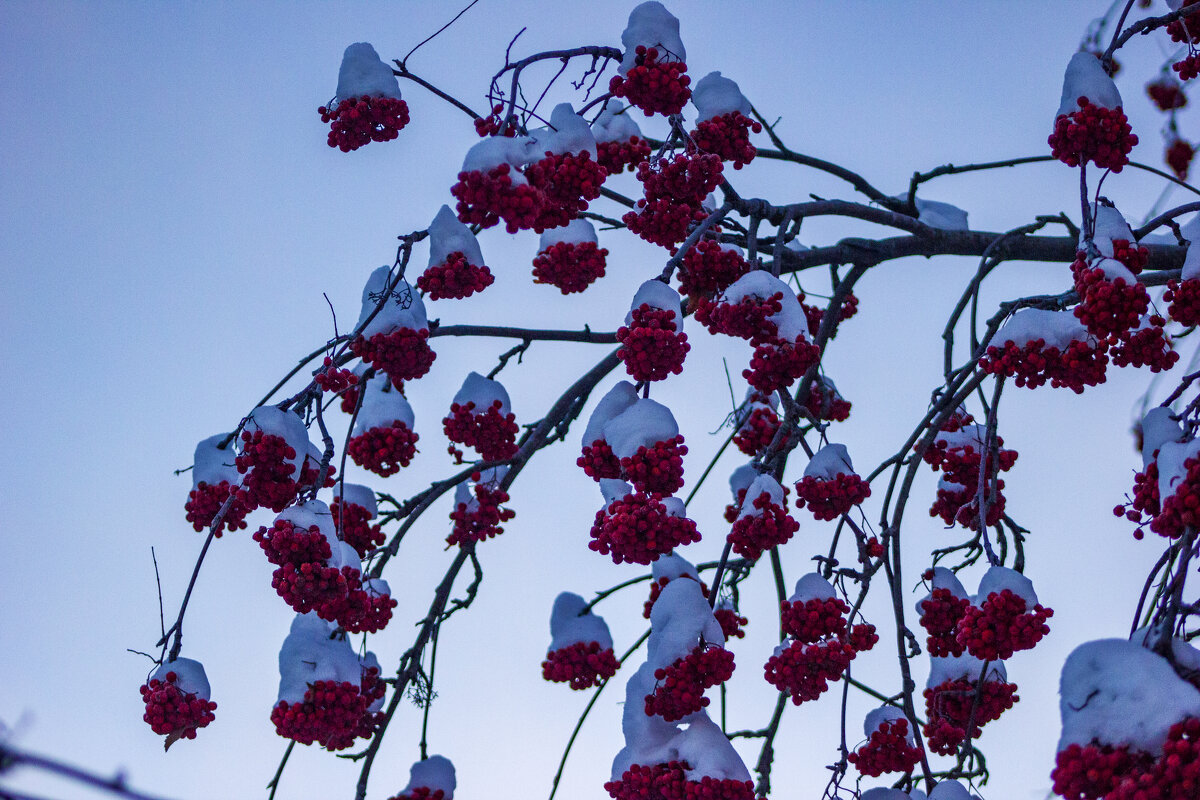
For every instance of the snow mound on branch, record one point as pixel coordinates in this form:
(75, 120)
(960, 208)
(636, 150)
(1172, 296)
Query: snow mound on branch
(997, 579)
(943, 579)
(674, 507)
(651, 25)
(812, 587)
(402, 309)
(715, 95)
(212, 465)
(648, 738)
(489, 153)
(1085, 77)
(569, 133)
(1171, 470)
(742, 478)
(973, 436)
(1113, 269)
(966, 666)
(656, 294)
(1158, 428)
(284, 424)
(363, 74)
(827, 462)
(435, 772)
(1191, 261)
(482, 392)
(679, 619)
(312, 514)
(617, 400)
(614, 489)
(763, 484)
(1117, 693)
(643, 423)
(709, 753)
(1108, 226)
(571, 622)
(1186, 656)
(615, 124)
(1057, 328)
(447, 235)
(935, 214)
(671, 567)
(877, 717)
(380, 409)
(760, 284)
(189, 676)
(357, 494)
(309, 654)
(577, 231)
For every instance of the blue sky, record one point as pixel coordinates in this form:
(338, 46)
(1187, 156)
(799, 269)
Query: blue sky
(171, 217)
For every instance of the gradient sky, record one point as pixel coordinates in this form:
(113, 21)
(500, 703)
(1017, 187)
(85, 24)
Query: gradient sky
(171, 216)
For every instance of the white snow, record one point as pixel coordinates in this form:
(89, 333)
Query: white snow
(1158, 428)
(812, 587)
(189, 676)
(435, 772)
(657, 294)
(211, 466)
(1116, 692)
(972, 436)
(1057, 328)
(951, 668)
(617, 400)
(742, 478)
(377, 587)
(829, 462)
(447, 235)
(1184, 654)
(570, 134)
(577, 231)
(715, 95)
(568, 626)
(491, 152)
(943, 579)
(483, 392)
(382, 408)
(357, 494)
(950, 790)
(941, 215)
(643, 423)
(615, 124)
(997, 579)
(284, 424)
(709, 753)
(651, 25)
(679, 619)
(393, 315)
(1108, 225)
(614, 489)
(1085, 77)
(309, 654)
(884, 793)
(674, 507)
(312, 514)
(363, 74)
(1113, 269)
(1191, 261)
(671, 566)
(790, 319)
(648, 738)
(877, 717)
(1171, 470)
(763, 484)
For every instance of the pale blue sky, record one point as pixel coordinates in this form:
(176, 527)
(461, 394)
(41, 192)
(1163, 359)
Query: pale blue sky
(171, 215)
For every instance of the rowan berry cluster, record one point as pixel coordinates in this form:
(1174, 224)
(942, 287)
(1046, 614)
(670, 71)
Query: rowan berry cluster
(582, 665)
(709, 269)
(758, 429)
(491, 432)
(1093, 771)
(652, 345)
(404, 354)
(455, 278)
(653, 85)
(616, 156)
(940, 615)
(1108, 307)
(478, 518)
(1081, 364)
(887, 750)
(206, 500)
(638, 529)
(821, 643)
(492, 125)
(353, 522)
(828, 499)
(748, 318)
(814, 314)
(681, 685)
(384, 451)
(731, 622)
(1184, 297)
(728, 136)
(950, 705)
(1167, 94)
(598, 461)
(333, 379)
(656, 469)
(570, 266)
(333, 714)
(663, 222)
(1002, 625)
(485, 198)
(770, 526)
(824, 402)
(1182, 509)
(669, 782)
(1179, 157)
(264, 461)
(1093, 133)
(170, 711)
(567, 181)
(1145, 347)
(361, 120)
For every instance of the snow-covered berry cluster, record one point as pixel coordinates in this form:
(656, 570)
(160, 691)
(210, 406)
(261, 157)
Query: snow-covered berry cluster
(829, 486)
(941, 611)
(758, 424)
(383, 440)
(352, 510)
(889, 746)
(958, 452)
(616, 156)
(825, 403)
(454, 278)
(681, 684)
(1001, 625)
(581, 648)
(763, 521)
(404, 354)
(669, 780)
(177, 700)
(356, 121)
(1093, 133)
(431, 778)
(710, 267)
(1111, 301)
(1036, 346)
(953, 704)
(639, 527)
(214, 478)
(728, 135)
(652, 345)
(478, 510)
(657, 83)
(568, 266)
(491, 432)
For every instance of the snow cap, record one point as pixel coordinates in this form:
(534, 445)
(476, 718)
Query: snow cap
(643, 423)
(829, 462)
(966, 666)
(614, 489)
(435, 772)
(742, 478)
(1109, 226)
(571, 623)
(941, 215)
(284, 424)
(1085, 77)
(656, 294)
(1172, 457)
(617, 400)
(312, 514)
(671, 566)
(812, 587)
(708, 751)
(997, 579)
(651, 25)
(189, 676)
(309, 654)
(943, 579)
(648, 737)
(884, 793)
(615, 124)
(211, 465)
(357, 494)
(1117, 693)
(679, 619)
(1056, 328)
(1191, 261)
(569, 133)
(950, 790)
(715, 95)
(363, 74)
(491, 152)
(877, 717)
(448, 235)
(763, 484)
(1158, 428)
(577, 231)
(483, 392)
(403, 309)
(758, 283)
(381, 409)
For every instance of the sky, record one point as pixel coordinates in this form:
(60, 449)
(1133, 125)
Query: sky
(175, 230)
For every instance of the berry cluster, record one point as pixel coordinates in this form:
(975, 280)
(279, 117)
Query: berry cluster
(1184, 30)
(206, 500)
(1093, 771)
(686, 177)
(820, 646)
(1082, 364)
(777, 363)
(652, 346)
(480, 518)
(1187, 67)
(353, 522)
(955, 503)
(491, 432)
(1179, 157)
(333, 714)
(616, 156)
(361, 120)
(728, 136)
(384, 450)
(680, 687)
(940, 614)
(424, 792)
(758, 429)
(1167, 94)
(829, 499)
(173, 712)
(455, 278)
(748, 318)
(1108, 307)
(1093, 133)
(656, 469)
(1184, 297)
(485, 198)
(637, 529)
(654, 86)
(1002, 625)
(1182, 509)
(753, 534)
(333, 379)
(887, 750)
(709, 268)
(567, 182)
(814, 314)
(597, 461)
(814, 619)
(582, 665)
(268, 481)
(731, 622)
(669, 782)
(570, 266)
(961, 461)
(1144, 506)
(949, 706)
(404, 354)
(1145, 347)
(824, 402)
(663, 222)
